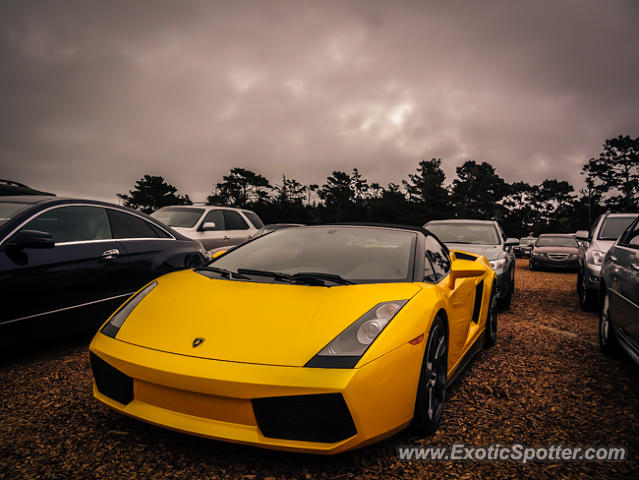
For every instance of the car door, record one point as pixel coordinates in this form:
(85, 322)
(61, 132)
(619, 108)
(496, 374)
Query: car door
(215, 236)
(147, 249)
(625, 256)
(71, 275)
(237, 229)
(461, 298)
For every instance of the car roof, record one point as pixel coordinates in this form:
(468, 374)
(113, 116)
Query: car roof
(626, 214)
(571, 235)
(392, 226)
(27, 199)
(461, 220)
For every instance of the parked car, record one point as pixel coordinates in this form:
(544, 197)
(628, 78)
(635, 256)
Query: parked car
(66, 264)
(525, 247)
(295, 340)
(619, 293)
(554, 250)
(484, 237)
(596, 242)
(212, 225)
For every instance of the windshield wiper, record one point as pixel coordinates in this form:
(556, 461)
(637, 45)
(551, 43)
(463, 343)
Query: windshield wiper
(222, 271)
(265, 273)
(331, 277)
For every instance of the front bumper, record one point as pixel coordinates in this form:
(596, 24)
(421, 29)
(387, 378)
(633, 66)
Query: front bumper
(593, 274)
(569, 263)
(215, 399)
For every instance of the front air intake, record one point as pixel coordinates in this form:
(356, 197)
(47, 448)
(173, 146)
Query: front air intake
(111, 381)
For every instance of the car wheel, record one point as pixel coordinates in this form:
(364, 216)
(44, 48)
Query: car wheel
(490, 337)
(431, 391)
(531, 265)
(504, 303)
(586, 296)
(607, 338)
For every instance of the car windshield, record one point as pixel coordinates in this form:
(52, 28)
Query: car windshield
(557, 242)
(358, 254)
(181, 217)
(613, 227)
(475, 233)
(9, 209)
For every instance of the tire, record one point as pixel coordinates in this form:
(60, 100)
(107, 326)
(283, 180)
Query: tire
(531, 266)
(490, 336)
(431, 391)
(504, 303)
(586, 296)
(607, 337)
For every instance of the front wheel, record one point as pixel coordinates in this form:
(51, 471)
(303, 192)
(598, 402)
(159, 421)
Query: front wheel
(491, 322)
(607, 338)
(431, 391)
(586, 296)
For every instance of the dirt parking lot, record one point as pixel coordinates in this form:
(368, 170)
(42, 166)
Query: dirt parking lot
(545, 383)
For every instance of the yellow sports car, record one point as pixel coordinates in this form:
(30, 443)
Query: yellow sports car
(314, 339)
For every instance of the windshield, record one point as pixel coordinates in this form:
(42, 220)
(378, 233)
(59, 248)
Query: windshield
(361, 255)
(476, 233)
(557, 242)
(9, 210)
(181, 217)
(613, 227)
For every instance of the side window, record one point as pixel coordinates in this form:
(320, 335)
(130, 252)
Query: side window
(429, 272)
(255, 220)
(217, 217)
(631, 239)
(125, 225)
(73, 224)
(438, 256)
(234, 221)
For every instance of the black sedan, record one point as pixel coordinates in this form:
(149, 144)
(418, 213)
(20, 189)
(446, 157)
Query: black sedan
(66, 264)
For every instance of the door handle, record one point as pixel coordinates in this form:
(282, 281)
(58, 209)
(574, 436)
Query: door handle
(227, 238)
(635, 266)
(613, 258)
(110, 254)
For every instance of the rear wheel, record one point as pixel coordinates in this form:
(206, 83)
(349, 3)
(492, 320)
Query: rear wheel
(586, 296)
(607, 338)
(431, 391)
(490, 337)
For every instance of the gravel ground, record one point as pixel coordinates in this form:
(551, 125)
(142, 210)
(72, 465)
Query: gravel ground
(545, 383)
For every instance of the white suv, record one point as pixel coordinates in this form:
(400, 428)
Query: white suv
(214, 226)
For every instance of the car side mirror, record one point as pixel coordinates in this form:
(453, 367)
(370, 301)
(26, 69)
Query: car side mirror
(31, 239)
(219, 254)
(207, 226)
(583, 235)
(464, 269)
(511, 242)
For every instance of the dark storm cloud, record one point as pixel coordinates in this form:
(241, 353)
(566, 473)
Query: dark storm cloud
(95, 94)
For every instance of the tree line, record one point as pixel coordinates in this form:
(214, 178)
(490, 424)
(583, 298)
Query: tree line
(477, 191)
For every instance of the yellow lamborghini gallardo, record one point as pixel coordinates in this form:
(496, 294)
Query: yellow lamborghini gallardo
(315, 339)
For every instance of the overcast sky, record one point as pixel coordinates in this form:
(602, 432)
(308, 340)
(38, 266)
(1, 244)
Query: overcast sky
(95, 94)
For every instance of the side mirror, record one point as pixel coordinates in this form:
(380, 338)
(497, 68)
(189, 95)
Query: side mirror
(219, 254)
(464, 269)
(207, 226)
(511, 242)
(31, 239)
(583, 235)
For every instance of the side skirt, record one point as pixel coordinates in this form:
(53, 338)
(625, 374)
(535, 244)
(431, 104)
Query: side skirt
(470, 354)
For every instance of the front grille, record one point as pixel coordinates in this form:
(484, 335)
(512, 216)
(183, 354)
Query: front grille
(111, 381)
(312, 418)
(558, 256)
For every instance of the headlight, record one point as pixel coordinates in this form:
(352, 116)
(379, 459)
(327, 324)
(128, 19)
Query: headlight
(117, 320)
(595, 257)
(497, 264)
(205, 253)
(345, 350)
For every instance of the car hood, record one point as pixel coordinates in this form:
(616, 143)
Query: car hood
(602, 245)
(569, 250)
(250, 322)
(491, 252)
